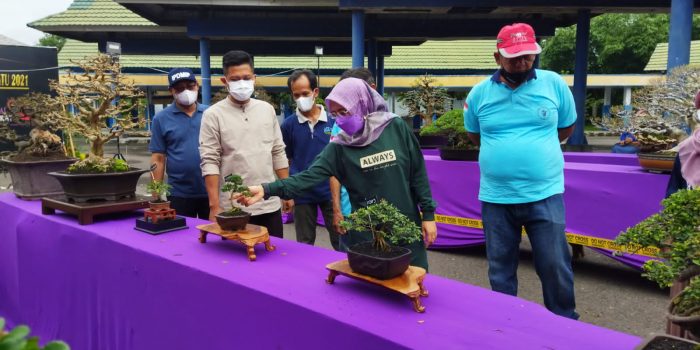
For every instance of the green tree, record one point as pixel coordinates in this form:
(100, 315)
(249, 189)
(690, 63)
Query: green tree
(619, 43)
(52, 40)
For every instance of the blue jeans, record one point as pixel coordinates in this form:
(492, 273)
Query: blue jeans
(544, 222)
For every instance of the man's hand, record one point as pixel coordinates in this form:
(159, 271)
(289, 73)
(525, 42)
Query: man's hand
(257, 194)
(429, 232)
(337, 218)
(287, 205)
(212, 213)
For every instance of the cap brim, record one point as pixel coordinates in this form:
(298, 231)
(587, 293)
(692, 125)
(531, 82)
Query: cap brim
(182, 79)
(520, 50)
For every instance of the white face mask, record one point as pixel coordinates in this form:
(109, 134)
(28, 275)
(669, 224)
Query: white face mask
(186, 97)
(305, 103)
(241, 90)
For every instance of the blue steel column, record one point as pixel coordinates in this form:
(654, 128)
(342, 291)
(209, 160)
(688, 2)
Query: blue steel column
(372, 57)
(380, 74)
(583, 26)
(205, 70)
(358, 38)
(679, 33)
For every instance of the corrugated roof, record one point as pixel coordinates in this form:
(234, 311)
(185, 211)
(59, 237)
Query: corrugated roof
(93, 13)
(431, 55)
(659, 58)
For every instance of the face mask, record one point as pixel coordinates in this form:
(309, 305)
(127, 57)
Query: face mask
(186, 97)
(351, 124)
(241, 90)
(305, 103)
(515, 78)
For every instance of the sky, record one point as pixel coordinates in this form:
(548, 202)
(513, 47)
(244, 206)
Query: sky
(17, 13)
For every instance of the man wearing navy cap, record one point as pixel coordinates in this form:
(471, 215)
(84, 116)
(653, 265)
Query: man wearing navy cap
(175, 145)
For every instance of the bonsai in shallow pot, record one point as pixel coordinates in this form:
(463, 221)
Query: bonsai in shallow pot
(675, 231)
(159, 191)
(381, 257)
(42, 152)
(98, 94)
(451, 126)
(234, 218)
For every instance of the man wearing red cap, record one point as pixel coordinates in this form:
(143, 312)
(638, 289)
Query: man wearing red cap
(519, 117)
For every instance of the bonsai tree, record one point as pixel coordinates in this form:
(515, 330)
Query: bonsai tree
(43, 143)
(450, 125)
(159, 190)
(675, 231)
(661, 112)
(386, 223)
(16, 339)
(233, 184)
(426, 99)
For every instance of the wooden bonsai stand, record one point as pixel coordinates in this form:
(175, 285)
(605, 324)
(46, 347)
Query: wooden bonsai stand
(154, 216)
(252, 235)
(409, 284)
(87, 211)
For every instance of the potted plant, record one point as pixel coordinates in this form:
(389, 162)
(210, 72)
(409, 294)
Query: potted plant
(41, 153)
(98, 94)
(159, 190)
(425, 99)
(675, 231)
(16, 339)
(234, 218)
(381, 257)
(451, 126)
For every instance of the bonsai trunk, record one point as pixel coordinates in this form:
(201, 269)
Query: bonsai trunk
(97, 147)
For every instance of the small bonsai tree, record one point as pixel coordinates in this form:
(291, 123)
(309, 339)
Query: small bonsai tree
(386, 223)
(159, 190)
(39, 109)
(675, 231)
(426, 99)
(16, 339)
(451, 125)
(233, 184)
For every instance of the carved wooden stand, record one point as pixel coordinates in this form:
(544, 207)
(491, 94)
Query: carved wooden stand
(409, 284)
(87, 211)
(155, 215)
(252, 235)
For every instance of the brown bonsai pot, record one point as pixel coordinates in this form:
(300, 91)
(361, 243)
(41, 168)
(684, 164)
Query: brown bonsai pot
(449, 153)
(689, 323)
(657, 162)
(367, 260)
(232, 222)
(665, 341)
(114, 186)
(162, 205)
(30, 179)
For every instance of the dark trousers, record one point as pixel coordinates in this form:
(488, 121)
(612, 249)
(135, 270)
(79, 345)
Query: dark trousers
(305, 218)
(272, 221)
(191, 207)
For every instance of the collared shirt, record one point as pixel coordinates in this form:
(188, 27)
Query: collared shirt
(176, 134)
(244, 140)
(520, 158)
(304, 142)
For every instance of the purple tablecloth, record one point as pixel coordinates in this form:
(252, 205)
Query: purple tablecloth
(107, 286)
(601, 201)
(577, 157)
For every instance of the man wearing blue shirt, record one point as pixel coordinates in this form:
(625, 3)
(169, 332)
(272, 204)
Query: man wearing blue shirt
(306, 133)
(519, 117)
(175, 146)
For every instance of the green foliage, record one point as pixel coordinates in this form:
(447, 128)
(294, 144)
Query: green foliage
(385, 222)
(450, 125)
(688, 302)
(159, 189)
(233, 183)
(98, 165)
(425, 99)
(52, 40)
(619, 43)
(675, 232)
(17, 339)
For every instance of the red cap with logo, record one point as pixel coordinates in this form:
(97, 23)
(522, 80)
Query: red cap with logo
(517, 39)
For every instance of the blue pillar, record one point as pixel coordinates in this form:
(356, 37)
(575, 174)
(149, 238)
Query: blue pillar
(679, 33)
(583, 26)
(372, 57)
(358, 38)
(205, 70)
(380, 74)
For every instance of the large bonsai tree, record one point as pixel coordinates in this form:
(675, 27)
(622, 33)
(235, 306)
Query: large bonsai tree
(386, 223)
(451, 125)
(426, 99)
(39, 110)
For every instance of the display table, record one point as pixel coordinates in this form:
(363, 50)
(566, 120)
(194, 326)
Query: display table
(601, 201)
(107, 286)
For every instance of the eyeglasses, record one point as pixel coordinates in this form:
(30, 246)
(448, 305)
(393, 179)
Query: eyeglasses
(526, 58)
(341, 113)
(181, 87)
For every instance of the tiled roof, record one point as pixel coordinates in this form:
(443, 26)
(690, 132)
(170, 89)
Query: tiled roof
(659, 58)
(93, 13)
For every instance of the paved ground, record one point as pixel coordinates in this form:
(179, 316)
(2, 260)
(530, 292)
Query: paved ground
(608, 293)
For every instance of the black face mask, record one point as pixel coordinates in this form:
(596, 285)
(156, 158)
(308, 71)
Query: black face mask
(515, 78)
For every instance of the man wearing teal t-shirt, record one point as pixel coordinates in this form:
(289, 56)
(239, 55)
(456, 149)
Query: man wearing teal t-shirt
(518, 117)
